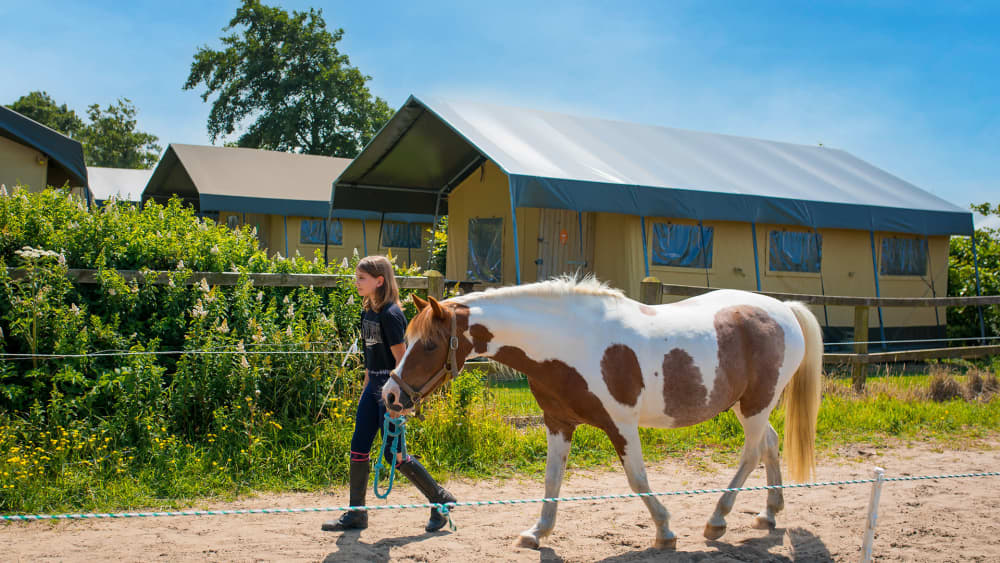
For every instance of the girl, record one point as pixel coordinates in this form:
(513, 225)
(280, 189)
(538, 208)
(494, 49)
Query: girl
(382, 327)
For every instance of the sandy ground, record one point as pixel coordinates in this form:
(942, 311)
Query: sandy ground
(933, 520)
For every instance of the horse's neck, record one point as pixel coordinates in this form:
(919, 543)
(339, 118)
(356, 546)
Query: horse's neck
(541, 327)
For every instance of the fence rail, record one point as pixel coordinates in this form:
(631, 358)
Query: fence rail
(432, 281)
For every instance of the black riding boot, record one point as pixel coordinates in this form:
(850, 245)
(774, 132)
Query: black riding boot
(428, 486)
(353, 519)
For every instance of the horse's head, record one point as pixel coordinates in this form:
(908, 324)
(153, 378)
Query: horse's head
(435, 352)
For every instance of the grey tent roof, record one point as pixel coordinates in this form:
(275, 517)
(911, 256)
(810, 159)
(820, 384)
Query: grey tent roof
(124, 184)
(253, 181)
(65, 155)
(587, 164)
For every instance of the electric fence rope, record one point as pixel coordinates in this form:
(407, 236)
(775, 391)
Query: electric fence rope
(689, 492)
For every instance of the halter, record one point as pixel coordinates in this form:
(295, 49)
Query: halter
(450, 366)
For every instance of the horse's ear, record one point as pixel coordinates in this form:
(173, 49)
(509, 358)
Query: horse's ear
(437, 308)
(420, 303)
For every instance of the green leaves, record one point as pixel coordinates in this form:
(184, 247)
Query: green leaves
(283, 82)
(964, 321)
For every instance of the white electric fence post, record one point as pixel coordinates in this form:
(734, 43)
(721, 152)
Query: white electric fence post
(866, 548)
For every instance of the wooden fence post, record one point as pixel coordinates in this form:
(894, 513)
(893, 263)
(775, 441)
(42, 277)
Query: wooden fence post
(435, 284)
(859, 370)
(651, 291)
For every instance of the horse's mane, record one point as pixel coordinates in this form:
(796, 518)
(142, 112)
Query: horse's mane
(424, 327)
(556, 287)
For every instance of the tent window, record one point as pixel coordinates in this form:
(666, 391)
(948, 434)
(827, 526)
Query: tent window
(681, 245)
(485, 249)
(311, 231)
(233, 221)
(904, 257)
(795, 252)
(400, 235)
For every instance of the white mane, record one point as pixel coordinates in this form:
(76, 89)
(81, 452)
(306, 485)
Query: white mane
(555, 287)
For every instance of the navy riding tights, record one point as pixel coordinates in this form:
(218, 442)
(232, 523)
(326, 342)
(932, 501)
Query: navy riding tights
(368, 421)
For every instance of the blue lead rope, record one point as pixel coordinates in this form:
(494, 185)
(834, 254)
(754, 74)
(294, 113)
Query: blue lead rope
(398, 437)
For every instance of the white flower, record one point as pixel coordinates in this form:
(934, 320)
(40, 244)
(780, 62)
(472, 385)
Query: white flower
(215, 249)
(244, 363)
(112, 291)
(3, 190)
(204, 285)
(345, 264)
(74, 309)
(277, 256)
(288, 331)
(224, 327)
(260, 296)
(170, 282)
(350, 300)
(356, 252)
(240, 347)
(285, 300)
(180, 263)
(291, 310)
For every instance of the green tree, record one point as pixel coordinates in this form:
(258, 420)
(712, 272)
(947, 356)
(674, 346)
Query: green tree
(111, 139)
(284, 75)
(40, 107)
(964, 321)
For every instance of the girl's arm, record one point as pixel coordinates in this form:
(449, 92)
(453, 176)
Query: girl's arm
(365, 384)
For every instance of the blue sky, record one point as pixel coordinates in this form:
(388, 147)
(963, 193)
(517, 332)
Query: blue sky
(911, 87)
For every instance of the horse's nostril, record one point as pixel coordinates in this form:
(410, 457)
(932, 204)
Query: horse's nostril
(392, 398)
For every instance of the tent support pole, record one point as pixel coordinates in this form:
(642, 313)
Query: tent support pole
(513, 219)
(285, 220)
(878, 294)
(364, 237)
(326, 237)
(645, 251)
(704, 255)
(975, 263)
(756, 259)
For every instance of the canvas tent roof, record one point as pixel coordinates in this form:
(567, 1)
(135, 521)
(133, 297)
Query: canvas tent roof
(122, 183)
(254, 181)
(65, 155)
(588, 164)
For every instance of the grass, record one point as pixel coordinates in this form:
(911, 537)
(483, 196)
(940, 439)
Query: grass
(464, 432)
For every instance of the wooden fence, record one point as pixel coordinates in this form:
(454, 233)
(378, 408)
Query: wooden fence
(652, 292)
(432, 281)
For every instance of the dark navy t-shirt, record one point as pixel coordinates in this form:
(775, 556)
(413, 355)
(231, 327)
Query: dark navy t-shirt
(380, 330)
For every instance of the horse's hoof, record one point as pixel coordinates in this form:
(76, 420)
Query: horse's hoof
(526, 541)
(714, 532)
(665, 543)
(763, 523)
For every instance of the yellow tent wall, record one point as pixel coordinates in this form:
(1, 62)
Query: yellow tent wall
(271, 234)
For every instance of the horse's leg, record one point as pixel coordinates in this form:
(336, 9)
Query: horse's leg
(775, 498)
(555, 468)
(635, 470)
(753, 431)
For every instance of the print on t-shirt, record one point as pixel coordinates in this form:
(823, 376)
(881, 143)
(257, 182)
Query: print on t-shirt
(372, 333)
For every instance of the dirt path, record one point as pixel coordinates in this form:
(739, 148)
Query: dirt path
(943, 520)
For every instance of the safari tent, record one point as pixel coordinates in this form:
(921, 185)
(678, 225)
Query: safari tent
(35, 157)
(531, 194)
(285, 197)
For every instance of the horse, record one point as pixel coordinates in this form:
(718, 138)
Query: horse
(593, 356)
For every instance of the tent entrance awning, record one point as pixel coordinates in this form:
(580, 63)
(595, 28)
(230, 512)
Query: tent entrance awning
(585, 164)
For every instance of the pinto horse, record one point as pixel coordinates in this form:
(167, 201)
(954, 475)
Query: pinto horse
(594, 356)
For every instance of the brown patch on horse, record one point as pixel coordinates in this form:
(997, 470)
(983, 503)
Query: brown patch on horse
(647, 310)
(620, 368)
(481, 336)
(751, 350)
(684, 392)
(563, 394)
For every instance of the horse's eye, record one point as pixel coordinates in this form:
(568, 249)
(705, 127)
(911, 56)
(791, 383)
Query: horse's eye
(430, 346)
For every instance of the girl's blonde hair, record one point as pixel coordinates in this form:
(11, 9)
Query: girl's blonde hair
(388, 292)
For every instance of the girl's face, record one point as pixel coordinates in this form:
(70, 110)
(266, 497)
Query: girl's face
(366, 284)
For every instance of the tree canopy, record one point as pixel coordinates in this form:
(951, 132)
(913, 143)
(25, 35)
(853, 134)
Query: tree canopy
(40, 107)
(111, 139)
(282, 82)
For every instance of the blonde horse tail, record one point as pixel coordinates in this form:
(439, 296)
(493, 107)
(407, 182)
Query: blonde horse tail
(802, 398)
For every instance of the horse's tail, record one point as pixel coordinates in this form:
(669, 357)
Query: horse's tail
(802, 397)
